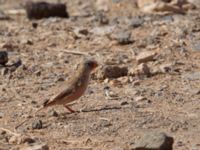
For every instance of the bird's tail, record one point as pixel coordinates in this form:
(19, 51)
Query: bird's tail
(45, 105)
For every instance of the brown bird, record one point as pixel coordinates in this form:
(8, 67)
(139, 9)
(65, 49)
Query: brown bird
(75, 89)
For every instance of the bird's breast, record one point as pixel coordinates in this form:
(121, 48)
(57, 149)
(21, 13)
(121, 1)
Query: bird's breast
(79, 90)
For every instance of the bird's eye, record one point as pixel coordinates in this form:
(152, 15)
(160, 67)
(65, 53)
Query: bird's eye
(92, 64)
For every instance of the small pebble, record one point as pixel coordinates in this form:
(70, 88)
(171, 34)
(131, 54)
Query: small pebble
(37, 124)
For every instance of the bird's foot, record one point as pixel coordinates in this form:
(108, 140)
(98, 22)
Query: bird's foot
(68, 108)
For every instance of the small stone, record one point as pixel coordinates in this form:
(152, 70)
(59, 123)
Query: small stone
(111, 71)
(196, 46)
(4, 71)
(155, 141)
(123, 38)
(191, 76)
(3, 16)
(124, 103)
(33, 102)
(136, 83)
(80, 32)
(144, 57)
(34, 25)
(166, 68)
(124, 79)
(101, 18)
(102, 5)
(1, 115)
(143, 69)
(38, 73)
(20, 139)
(3, 57)
(140, 98)
(35, 146)
(136, 22)
(53, 113)
(27, 41)
(37, 124)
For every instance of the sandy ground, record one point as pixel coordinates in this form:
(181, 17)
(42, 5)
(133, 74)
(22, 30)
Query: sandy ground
(165, 101)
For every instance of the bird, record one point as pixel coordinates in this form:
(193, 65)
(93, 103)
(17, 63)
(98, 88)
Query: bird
(75, 87)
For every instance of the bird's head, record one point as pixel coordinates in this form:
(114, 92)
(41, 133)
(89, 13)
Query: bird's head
(90, 64)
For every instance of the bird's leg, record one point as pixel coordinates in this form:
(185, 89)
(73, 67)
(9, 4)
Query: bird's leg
(68, 108)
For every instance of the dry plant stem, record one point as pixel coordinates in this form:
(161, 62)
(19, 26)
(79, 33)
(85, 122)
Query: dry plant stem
(22, 123)
(9, 131)
(75, 52)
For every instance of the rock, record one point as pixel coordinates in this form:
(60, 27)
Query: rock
(39, 10)
(143, 3)
(166, 68)
(102, 5)
(195, 2)
(37, 124)
(35, 146)
(1, 115)
(9, 46)
(124, 103)
(3, 16)
(20, 139)
(26, 41)
(140, 98)
(124, 79)
(195, 46)
(191, 76)
(111, 71)
(3, 57)
(136, 22)
(174, 6)
(80, 32)
(155, 141)
(34, 25)
(4, 71)
(122, 38)
(101, 18)
(102, 30)
(53, 113)
(146, 56)
(143, 69)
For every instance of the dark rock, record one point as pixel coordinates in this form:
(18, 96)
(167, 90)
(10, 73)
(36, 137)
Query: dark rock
(136, 22)
(18, 63)
(3, 16)
(101, 18)
(53, 113)
(37, 124)
(39, 10)
(34, 25)
(3, 57)
(155, 141)
(111, 71)
(166, 68)
(124, 103)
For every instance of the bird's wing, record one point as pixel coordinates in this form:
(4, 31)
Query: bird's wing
(66, 92)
